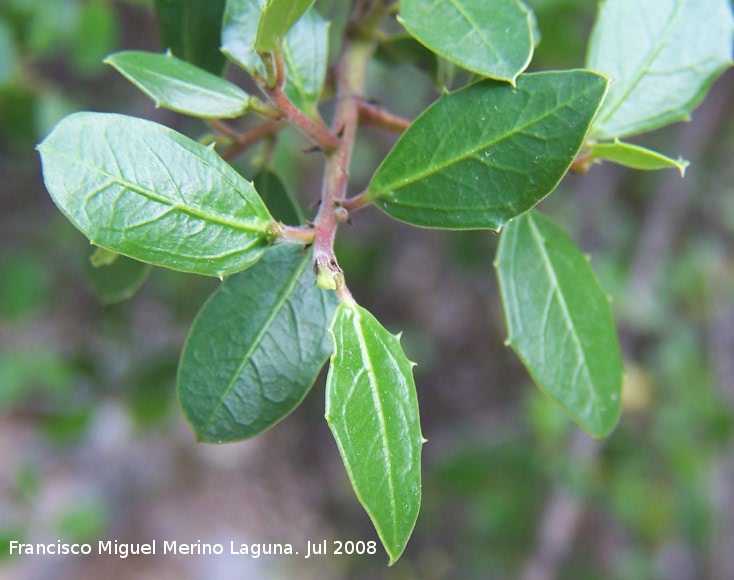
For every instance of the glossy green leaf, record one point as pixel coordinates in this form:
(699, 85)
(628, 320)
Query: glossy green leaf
(662, 56)
(175, 84)
(636, 157)
(493, 38)
(255, 348)
(145, 191)
(276, 20)
(191, 30)
(114, 278)
(372, 410)
(487, 153)
(278, 199)
(305, 50)
(560, 322)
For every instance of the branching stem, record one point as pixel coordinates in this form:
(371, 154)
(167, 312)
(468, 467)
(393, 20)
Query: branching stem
(376, 116)
(246, 139)
(350, 81)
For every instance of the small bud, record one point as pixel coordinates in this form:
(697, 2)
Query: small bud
(341, 214)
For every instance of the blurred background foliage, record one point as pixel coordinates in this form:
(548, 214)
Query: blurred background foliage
(93, 445)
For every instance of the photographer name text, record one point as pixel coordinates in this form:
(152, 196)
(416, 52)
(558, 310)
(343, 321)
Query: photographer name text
(253, 550)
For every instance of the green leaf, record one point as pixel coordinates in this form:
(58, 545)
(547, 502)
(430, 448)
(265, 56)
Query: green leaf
(489, 152)
(493, 38)
(145, 191)
(306, 53)
(114, 278)
(96, 35)
(372, 411)
(279, 200)
(305, 49)
(404, 49)
(662, 55)
(191, 30)
(560, 322)
(255, 348)
(175, 84)
(7, 53)
(636, 157)
(239, 32)
(277, 18)
(101, 257)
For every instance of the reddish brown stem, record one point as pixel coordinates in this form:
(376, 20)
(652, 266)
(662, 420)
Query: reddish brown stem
(375, 116)
(247, 139)
(354, 203)
(350, 82)
(316, 130)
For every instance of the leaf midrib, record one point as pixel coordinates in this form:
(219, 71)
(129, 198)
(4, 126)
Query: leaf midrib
(556, 289)
(478, 30)
(211, 218)
(645, 65)
(278, 305)
(381, 419)
(470, 152)
(231, 93)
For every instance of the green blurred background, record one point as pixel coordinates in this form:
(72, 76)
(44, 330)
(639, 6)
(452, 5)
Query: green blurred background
(93, 445)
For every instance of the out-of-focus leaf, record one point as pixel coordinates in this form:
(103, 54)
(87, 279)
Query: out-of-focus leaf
(279, 200)
(25, 285)
(25, 372)
(95, 36)
(636, 157)
(7, 53)
(560, 322)
(175, 84)
(493, 38)
(372, 410)
(662, 55)
(191, 29)
(305, 50)
(116, 280)
(145, 191)
(52, 25)
(102, 257)
(404, 49)
(255, 348)
(489, 152)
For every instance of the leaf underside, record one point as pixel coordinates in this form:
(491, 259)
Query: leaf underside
(277, 18)
(372, 411)
(255, 348)
(177, 85)
(560, 321)
(145, 191)
(305, 49)
(662, 56)
(636, 157)
(493, 38)
(489, 152)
